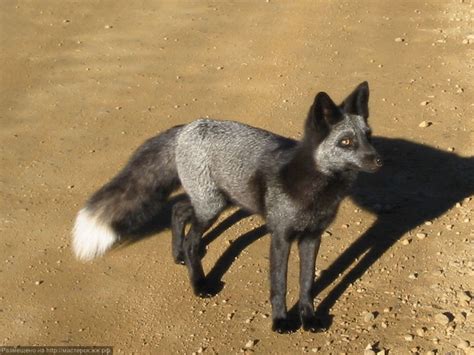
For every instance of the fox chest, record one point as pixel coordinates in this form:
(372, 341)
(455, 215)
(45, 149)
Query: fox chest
(286, 213)
(314, 218)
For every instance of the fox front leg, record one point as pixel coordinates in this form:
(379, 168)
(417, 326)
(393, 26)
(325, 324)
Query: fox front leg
(279, 253)
(308, 246)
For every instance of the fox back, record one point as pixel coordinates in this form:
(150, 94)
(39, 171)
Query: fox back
(226, 157)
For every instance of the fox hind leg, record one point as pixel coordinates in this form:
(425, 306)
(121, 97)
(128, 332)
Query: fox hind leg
(181, 215)
(205, 212)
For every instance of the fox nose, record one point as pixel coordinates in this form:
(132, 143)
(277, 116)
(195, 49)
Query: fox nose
(378, 161)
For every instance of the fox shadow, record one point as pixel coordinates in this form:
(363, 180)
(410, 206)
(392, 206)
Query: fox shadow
(417, 183)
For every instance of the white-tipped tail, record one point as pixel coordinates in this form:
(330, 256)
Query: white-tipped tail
(91, 236)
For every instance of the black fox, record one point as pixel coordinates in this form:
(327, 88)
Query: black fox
(296, 186)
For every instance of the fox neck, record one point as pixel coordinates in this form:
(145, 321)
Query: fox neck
(307, 185)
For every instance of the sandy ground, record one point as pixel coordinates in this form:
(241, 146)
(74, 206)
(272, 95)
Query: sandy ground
(84, 83)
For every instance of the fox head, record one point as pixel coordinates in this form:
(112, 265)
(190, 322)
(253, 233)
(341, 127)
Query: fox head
(340, 135)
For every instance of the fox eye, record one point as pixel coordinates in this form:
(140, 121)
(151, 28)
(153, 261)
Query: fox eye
(346, 142)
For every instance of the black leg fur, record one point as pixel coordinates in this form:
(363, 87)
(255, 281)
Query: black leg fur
(192, 256)
(279, 253)
(308, 246)
(182, 214)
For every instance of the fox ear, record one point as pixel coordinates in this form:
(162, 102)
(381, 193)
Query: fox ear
(325, 111)
(322, 115)
(357, 103)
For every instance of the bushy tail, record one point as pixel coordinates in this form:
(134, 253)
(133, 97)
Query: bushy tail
(123, 205)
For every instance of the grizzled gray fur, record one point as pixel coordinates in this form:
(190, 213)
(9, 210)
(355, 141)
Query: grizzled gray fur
(296, 186)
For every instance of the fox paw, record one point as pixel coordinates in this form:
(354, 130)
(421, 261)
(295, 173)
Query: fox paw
(312, 324)
(201, 289)
(179, 258)
(283, 326)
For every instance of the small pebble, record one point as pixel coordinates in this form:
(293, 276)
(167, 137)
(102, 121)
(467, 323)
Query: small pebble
(39, 282)
(424, 103)
(465, 297)
(463, 344)
(250, 344)
(399, 39)
(425, 124)
(220, 68)
(413, 276)
(369, 352)
(421, 235)
(406, 241)
(420, 332)
(442, 319)
(369, 317)
(409, 337)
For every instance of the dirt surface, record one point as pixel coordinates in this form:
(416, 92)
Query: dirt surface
(84, 83)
